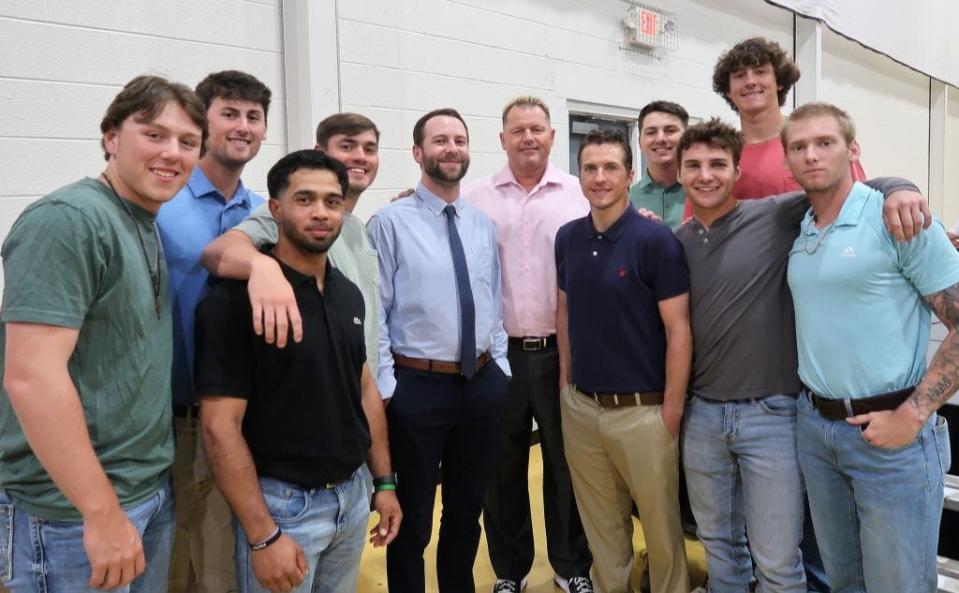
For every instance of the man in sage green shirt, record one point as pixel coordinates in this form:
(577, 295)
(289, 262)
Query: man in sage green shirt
(661, 123)
(86, 437)
(352, 139)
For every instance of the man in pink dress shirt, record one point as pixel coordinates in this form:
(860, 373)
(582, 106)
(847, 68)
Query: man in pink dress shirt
(528, 201)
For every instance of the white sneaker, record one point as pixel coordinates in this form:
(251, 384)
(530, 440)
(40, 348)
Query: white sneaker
(510, 586)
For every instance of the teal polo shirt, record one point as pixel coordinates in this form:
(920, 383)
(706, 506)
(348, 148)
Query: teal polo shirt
(667, 202)
(862, 324)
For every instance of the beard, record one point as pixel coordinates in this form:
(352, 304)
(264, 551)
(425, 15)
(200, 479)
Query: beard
(304, 242)
(433, 168)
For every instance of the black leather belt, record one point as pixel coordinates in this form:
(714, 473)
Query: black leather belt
(835, 409)
(532, 343)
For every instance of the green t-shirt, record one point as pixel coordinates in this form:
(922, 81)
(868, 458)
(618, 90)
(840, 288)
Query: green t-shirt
(73, 259)
(351, 254)
(667, 202)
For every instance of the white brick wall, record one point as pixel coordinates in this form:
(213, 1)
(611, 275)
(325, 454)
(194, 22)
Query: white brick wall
(401, 59)
(951, 210)
(61, 62)
(889, 103)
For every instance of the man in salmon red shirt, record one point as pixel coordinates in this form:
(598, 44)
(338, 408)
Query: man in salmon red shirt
(528, 201)
(754, 77)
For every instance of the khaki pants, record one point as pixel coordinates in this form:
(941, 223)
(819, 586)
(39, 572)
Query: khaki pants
(618, 456)
(203, 545)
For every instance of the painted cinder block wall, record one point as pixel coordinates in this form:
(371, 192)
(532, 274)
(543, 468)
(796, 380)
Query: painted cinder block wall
(61, 62)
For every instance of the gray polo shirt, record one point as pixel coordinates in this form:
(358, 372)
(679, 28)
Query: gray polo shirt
(744, 327)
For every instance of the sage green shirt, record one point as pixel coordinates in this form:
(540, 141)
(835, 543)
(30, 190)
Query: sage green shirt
(351, 254)
(73, 259)
(667, 202)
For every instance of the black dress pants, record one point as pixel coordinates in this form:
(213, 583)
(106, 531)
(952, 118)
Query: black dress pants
(438, 418)
(533, 393)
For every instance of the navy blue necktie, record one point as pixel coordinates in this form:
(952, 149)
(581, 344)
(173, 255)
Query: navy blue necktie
(467, 307)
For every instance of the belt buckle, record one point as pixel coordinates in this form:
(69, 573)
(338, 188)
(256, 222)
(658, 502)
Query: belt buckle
(533, 344)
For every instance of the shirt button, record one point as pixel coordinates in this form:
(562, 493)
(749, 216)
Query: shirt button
(599, 236)
(594, 253)
(700, 231)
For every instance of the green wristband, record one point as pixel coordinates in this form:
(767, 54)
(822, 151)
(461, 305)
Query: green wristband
(383, 487)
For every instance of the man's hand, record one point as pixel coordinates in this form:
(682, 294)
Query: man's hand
(274, 304)
(403, 194)
(388, 507)
(890, 429)
(649, 214)
(113, 548)
(280, 566)
(672, 416)
(906, 213)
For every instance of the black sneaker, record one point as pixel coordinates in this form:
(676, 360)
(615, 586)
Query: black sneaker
(580, 585)
(510, 586)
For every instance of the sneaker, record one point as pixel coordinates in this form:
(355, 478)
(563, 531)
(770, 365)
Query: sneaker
(509, 586)
(580, 585)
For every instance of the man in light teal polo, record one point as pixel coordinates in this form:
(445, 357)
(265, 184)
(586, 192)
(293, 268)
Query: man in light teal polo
(661, 123)
(872, 449)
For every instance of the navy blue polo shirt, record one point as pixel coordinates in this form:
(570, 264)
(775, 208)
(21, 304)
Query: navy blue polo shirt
(614, 281)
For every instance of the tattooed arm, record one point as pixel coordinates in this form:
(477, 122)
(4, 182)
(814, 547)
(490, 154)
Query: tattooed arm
(898, 428)
(942, 377)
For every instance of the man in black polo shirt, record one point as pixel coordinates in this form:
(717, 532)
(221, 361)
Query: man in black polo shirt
(625, 350)
(288, 430)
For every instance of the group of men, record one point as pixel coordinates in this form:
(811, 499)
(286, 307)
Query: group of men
(334, 365)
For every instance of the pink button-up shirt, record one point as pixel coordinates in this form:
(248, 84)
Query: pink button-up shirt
(526, 225)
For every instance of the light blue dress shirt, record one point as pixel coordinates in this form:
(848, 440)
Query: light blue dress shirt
(419, 307)
(197, 215)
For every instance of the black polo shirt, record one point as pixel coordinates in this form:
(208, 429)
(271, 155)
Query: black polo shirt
(614, 281)
(304, 420)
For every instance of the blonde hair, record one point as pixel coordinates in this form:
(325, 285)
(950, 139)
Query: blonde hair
(526, 101)
(810, 110)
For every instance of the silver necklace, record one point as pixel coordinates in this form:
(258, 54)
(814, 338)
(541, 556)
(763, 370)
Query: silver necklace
(822, 238)
(153, 268)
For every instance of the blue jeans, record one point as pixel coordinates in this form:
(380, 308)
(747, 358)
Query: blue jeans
(42, 556)
(742, 473)
(329, 524)
(876, 511)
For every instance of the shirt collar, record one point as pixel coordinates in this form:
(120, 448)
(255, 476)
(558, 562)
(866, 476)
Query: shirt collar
(435, 203)
(645, 181)
(201, 187)
(851, 210)
(550, 176)
(295, 278)
(614, 232)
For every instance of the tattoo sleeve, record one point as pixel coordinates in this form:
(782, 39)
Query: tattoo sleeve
(942, 376)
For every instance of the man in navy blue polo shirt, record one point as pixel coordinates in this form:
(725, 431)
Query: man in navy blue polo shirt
(625, 351)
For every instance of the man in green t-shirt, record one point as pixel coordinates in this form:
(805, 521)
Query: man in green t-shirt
(86, 436)
(352, 139)
(661, 123)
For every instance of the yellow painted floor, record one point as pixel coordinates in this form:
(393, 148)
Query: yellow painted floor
(373, 569)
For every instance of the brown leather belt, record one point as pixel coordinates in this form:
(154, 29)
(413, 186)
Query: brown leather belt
(624, 400)
(437, 366)
(835, 409)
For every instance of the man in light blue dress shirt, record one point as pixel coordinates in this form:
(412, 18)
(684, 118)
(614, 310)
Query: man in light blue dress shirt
(213, 202)
(446, 376)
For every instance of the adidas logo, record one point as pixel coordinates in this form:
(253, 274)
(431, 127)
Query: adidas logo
(848, 252)
(357, 321)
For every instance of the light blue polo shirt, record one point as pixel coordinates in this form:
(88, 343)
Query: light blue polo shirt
(862, 325)
(197, 215)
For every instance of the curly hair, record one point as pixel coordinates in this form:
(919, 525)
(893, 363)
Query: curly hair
(755, 51)
(714, 133)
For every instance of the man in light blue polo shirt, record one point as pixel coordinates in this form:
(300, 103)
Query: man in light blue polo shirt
(213, 202)
(871, 447)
